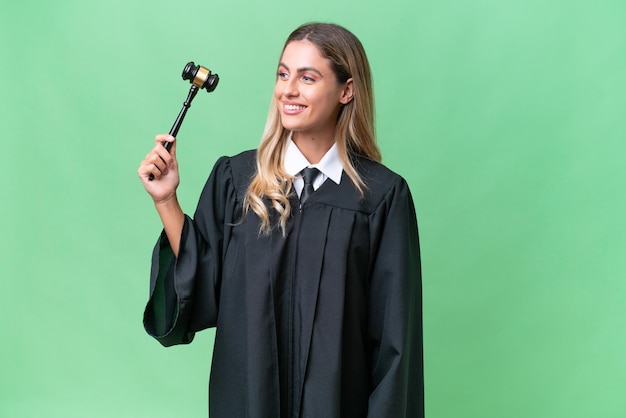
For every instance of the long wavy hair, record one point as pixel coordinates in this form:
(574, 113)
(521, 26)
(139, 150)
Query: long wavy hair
(354, 132)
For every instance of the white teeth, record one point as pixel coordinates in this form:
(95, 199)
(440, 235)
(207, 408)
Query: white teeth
(294, 107)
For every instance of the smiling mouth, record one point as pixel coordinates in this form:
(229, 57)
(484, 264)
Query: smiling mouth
(293, 108)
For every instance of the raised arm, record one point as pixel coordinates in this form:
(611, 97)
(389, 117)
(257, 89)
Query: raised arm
(164, 167)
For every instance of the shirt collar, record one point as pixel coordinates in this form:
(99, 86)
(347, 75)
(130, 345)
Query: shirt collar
(330, 164)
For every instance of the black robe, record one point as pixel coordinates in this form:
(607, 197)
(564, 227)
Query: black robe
(325, 322)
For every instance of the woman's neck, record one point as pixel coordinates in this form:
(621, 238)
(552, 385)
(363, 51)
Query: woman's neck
(313, 147)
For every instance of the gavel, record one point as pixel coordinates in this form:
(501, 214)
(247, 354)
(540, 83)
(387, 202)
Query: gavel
(201, 78)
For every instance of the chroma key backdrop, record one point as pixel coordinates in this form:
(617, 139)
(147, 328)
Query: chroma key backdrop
(505, 117)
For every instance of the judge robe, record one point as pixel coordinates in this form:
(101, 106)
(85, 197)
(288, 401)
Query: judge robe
(322, 322)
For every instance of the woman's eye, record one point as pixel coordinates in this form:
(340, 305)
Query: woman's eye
(283, 75)
(307, 79)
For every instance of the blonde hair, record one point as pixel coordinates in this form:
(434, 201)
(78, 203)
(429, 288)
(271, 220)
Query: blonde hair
(354, 133)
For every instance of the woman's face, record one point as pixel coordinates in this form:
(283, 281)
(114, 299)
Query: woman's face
(308, 93)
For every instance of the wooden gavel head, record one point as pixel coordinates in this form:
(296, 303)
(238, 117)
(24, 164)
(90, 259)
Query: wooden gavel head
(200, 77)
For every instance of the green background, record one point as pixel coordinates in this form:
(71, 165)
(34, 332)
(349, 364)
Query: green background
(505, 117)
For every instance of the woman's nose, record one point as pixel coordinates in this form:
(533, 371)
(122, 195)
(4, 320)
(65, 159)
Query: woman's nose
(291, 88)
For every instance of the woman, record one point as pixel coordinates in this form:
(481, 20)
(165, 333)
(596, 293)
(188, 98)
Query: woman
(315, 289)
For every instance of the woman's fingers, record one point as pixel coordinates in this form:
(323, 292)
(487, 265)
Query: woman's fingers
(154, 163)
(160, 157)
(165, 138)
(159, 160)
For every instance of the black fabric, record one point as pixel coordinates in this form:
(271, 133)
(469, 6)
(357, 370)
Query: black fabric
(323, 322)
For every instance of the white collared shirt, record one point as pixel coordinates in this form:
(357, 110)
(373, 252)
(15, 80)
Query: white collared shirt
(330, 166)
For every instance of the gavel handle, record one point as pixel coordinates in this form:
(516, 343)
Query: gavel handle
(179, 120)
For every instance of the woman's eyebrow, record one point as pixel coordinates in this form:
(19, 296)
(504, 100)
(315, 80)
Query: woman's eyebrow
(302, 69)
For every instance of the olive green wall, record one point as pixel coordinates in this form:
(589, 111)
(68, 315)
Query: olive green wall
(505, 117)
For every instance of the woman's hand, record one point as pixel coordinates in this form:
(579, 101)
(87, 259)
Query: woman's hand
(163, 165)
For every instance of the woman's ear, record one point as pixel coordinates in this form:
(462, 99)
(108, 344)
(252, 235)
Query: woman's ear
(347, 94)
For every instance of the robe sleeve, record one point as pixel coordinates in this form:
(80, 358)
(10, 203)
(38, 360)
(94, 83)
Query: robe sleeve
(184, 290)
(395, 310)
